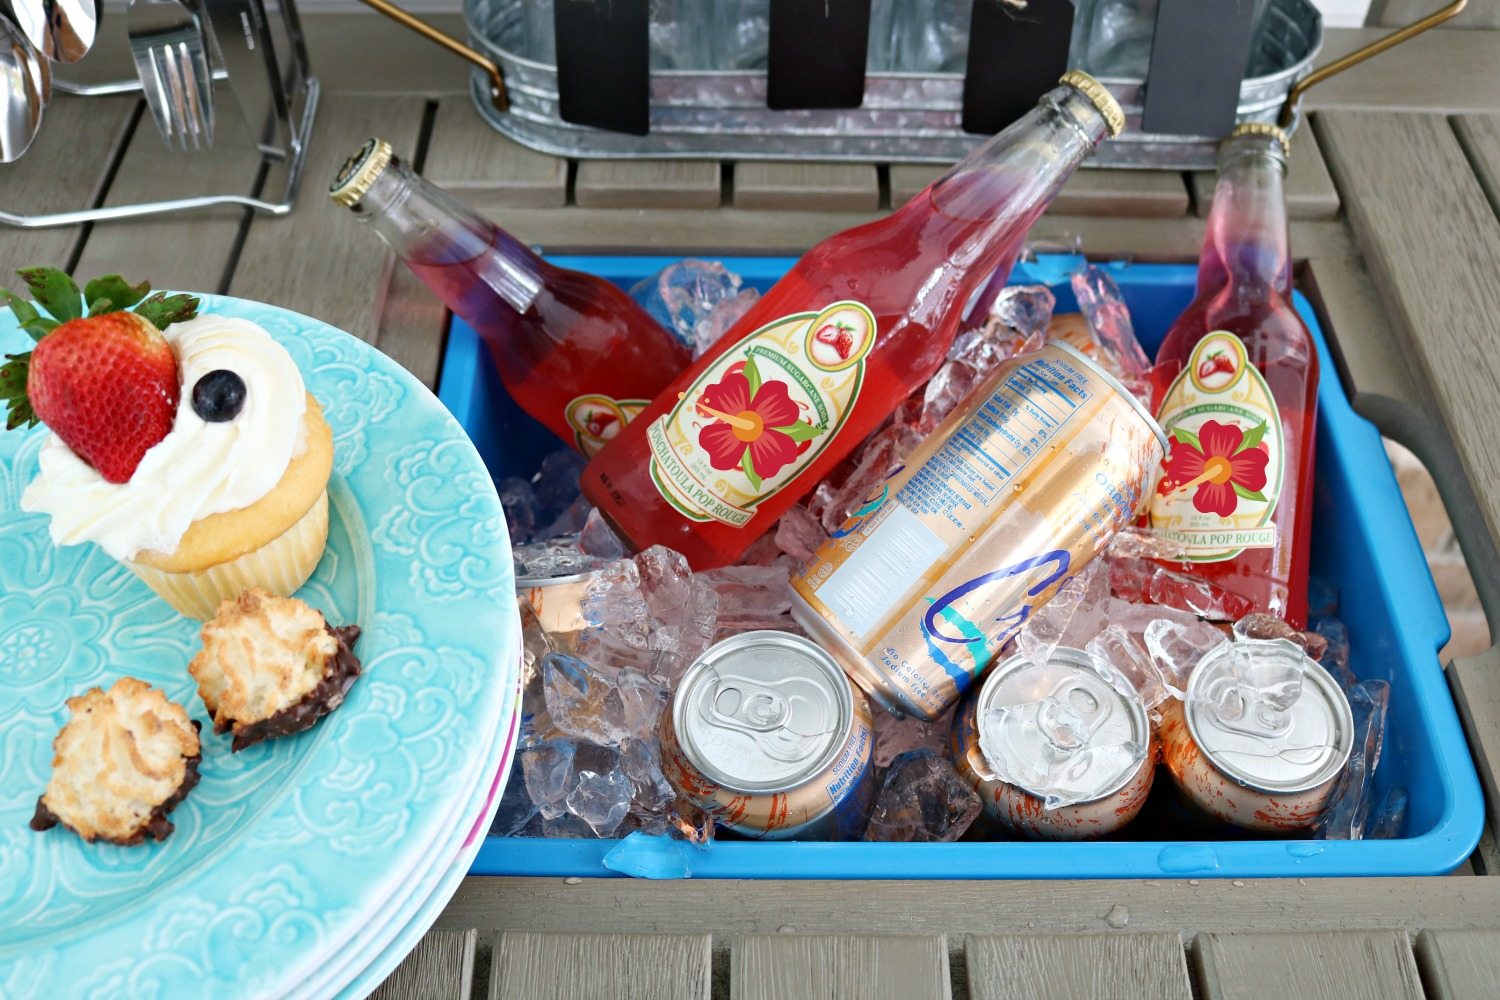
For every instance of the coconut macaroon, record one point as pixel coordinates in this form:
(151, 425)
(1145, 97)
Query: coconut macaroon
(271, 666)
(124, 760)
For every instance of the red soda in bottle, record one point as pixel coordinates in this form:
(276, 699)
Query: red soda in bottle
(572, 349)
(864, 318)
(1236, 391)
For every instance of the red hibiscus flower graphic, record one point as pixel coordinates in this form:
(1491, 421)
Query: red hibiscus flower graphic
(1223, 463)
(754, 428)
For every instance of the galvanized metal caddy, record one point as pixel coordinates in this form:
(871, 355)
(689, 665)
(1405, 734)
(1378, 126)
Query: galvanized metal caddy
(905, 117)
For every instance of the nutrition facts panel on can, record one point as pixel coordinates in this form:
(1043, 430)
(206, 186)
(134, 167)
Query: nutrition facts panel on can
(987, 451)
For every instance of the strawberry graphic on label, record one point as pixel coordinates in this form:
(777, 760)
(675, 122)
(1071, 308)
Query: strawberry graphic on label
(838, 335)
(598, 423)
(1215, 363)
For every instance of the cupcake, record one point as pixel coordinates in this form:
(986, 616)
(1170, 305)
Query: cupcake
(272, 666)
(124, 760)
(185, 446)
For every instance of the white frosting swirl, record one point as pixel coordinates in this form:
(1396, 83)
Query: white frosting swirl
(199, 468)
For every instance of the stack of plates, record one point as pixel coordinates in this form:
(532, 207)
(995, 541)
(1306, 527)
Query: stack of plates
(301, 867)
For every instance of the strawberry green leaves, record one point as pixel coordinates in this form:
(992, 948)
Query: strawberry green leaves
(13, 391)
(163, 310)
(113, 293)
(27, 317)
(55, 291)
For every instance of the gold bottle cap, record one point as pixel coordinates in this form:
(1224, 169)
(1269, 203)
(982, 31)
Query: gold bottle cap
(1266, 129)
(1099, 96)
(360, 171)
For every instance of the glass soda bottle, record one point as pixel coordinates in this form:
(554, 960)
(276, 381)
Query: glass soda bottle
(1236, 391)
(827, 354)
(572, 349)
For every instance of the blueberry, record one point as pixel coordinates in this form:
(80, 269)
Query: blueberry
(219, 396)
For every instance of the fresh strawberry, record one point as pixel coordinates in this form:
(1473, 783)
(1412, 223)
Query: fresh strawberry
(105, 383)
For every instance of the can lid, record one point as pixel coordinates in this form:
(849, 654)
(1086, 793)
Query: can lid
(1099, 96)
(1098, 371)
(359, 171)
(1265, 129)
(762, 711)
(1302, 749)
(1096, 695)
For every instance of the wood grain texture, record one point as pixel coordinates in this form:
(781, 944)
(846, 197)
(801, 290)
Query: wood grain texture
(1328, 965)
(319, 260)
(1310, 193)
(1103, 192)
(647, 184)
(1480, 136)
(1432, 244)
(842, 967)
(464, 152)
(1077, 967)
(1475, 681)
(600, 966)
(153, 247)
(413, 326)
(817, 187)
(441, 967)
(1395, 13)
(1441, 70)
(1460, 965)
(64, 170)
(956, 908)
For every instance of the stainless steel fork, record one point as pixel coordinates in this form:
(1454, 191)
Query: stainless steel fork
(171, 58)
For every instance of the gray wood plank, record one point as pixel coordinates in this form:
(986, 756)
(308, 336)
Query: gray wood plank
(955, 908)
(1432, 244)
(441, 967)
(413, 326)
(1077, 967)
(319, 260)
(846, 967)
(64, 170)
(1395, 13)
(1460, 965)
(600, 966)
(1102, 192)
(647, 184)
(1480, 136)
(1329, 965)
(187, 250)
(1441, 70)
(1475, 681)
(465, 152)
(819, 187)
(1310, 193)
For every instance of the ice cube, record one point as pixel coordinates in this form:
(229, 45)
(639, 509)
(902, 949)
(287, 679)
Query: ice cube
(1348, 809)
(651, 793)
(599, 540)
(881, 458)
(516, 808)
(1264, 626)
(1022, 312)
(1077, 609)
(547, 768)
(601, 706)
(1195, 594)
(520, 506)
(1176, 648)
(949, 386)
(1101, 303)
(1117, 648)
(555, 484)
(601, 800)
(682, 294)
(566, 826)
(1322, 598)
(798, 533)
(569, 521)
(725, 314)
(894, 737)
(1133, 542)
(552, 558)
(922, 800)
(751, 596)
(1047, 748)
(1387, 820)
(1335, 658)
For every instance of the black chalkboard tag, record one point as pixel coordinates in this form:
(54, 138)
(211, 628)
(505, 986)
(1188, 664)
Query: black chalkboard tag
(1017, 50)
(1198, 57)
(817, 54)
(603, 64)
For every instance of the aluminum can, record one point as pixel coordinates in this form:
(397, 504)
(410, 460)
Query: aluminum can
(1266, 772)
(1104, 700)
(556, 601)
(768, 736)
(1011, 496)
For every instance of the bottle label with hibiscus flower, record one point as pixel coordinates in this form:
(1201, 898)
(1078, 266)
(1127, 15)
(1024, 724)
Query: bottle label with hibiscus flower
(1223, 472)
(761, 413)
(595, 419)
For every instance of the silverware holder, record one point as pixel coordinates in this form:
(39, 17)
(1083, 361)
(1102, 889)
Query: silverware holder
(905, 117)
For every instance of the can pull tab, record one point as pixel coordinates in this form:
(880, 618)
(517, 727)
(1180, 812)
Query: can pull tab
(1263, 683)
(1052, 750)
(748, 707)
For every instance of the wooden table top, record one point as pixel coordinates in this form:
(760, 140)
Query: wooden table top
(1394, 192)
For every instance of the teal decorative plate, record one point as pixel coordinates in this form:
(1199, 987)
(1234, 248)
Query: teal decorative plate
(288, 851)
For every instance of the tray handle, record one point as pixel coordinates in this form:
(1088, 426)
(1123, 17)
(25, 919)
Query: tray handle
(1294, 96)
(498, 96)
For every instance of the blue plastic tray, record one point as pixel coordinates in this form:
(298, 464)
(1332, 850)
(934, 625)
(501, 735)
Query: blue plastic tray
(1363, 541)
